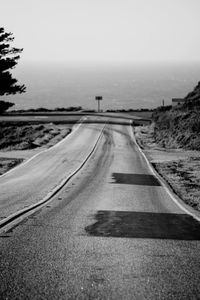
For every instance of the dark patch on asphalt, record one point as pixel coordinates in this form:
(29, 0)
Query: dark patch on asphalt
(126, 224)
(135, 179)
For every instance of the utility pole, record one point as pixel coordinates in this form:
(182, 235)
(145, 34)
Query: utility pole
(98, 98)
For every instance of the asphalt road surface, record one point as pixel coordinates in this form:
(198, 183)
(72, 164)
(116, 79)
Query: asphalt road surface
(111, 233)
(32, 181)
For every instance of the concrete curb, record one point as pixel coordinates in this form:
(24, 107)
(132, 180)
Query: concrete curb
(179, 202)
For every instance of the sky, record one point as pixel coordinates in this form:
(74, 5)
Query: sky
(104, 30)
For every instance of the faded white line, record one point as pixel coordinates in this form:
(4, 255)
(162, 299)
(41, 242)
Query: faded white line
(46, 150)
(178, 202)
(32, 208)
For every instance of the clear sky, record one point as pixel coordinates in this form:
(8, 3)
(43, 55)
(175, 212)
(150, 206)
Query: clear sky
(104, 30)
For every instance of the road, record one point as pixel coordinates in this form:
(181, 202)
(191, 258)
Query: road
(111, 233)
(32, 181)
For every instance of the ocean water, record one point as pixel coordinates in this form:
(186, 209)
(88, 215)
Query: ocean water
(122, 86)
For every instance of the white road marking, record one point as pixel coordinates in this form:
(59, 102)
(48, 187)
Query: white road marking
(46, 150)
(179, 202)
(32, 208)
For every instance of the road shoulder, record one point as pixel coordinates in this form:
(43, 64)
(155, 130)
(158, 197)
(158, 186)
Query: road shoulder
(20, 142)
(179, 167)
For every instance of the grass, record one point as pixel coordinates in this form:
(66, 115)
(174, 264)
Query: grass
(184, 178)
(8, 163)
(141, 114)
(178, 129)
(181, 169)
(179, 126)
(28, 136)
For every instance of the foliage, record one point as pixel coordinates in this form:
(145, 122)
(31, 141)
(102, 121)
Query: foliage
(46, 110)
(180, 126)
(8, 59)
(4, 106)
(163, 108)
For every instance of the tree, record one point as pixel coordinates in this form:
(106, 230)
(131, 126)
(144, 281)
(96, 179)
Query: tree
(8, 59)
(4, 105)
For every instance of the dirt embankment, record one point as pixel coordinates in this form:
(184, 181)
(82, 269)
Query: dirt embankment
(179, 167)
(20, 141)
(172, 144)
(22, 136)
(179, 127)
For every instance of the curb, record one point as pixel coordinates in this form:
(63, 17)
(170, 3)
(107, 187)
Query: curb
(51, 194)
(178, 201)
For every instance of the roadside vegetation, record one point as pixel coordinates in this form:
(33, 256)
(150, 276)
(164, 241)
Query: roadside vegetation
(19, 141)
(172, 144)
(184, 178)
(8, 163)
(9, 57)
(47, 110)
(5, 105)
(179, 127)
(21, 136)
(179, 167)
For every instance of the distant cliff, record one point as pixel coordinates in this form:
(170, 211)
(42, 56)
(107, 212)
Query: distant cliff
(179, 127)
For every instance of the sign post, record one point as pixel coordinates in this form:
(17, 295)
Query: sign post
(98, 98)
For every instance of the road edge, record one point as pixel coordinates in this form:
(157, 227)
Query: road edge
(15, 218)
(179, 202)
(78, 124)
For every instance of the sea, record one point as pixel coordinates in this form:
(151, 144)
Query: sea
(122, 86)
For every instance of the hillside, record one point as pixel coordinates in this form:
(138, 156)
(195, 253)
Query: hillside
(179, 127)
(193, 99)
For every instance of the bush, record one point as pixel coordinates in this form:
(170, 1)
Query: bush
(5, 106)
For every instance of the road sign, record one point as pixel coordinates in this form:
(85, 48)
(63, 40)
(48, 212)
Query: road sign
(99, 98)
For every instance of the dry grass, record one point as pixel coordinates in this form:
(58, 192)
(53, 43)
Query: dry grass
(8, 163)
(30, 136)
(27, 137)
(180, 168)
(178, 129)
(145, 137)
(184, 178)
(141, 114)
